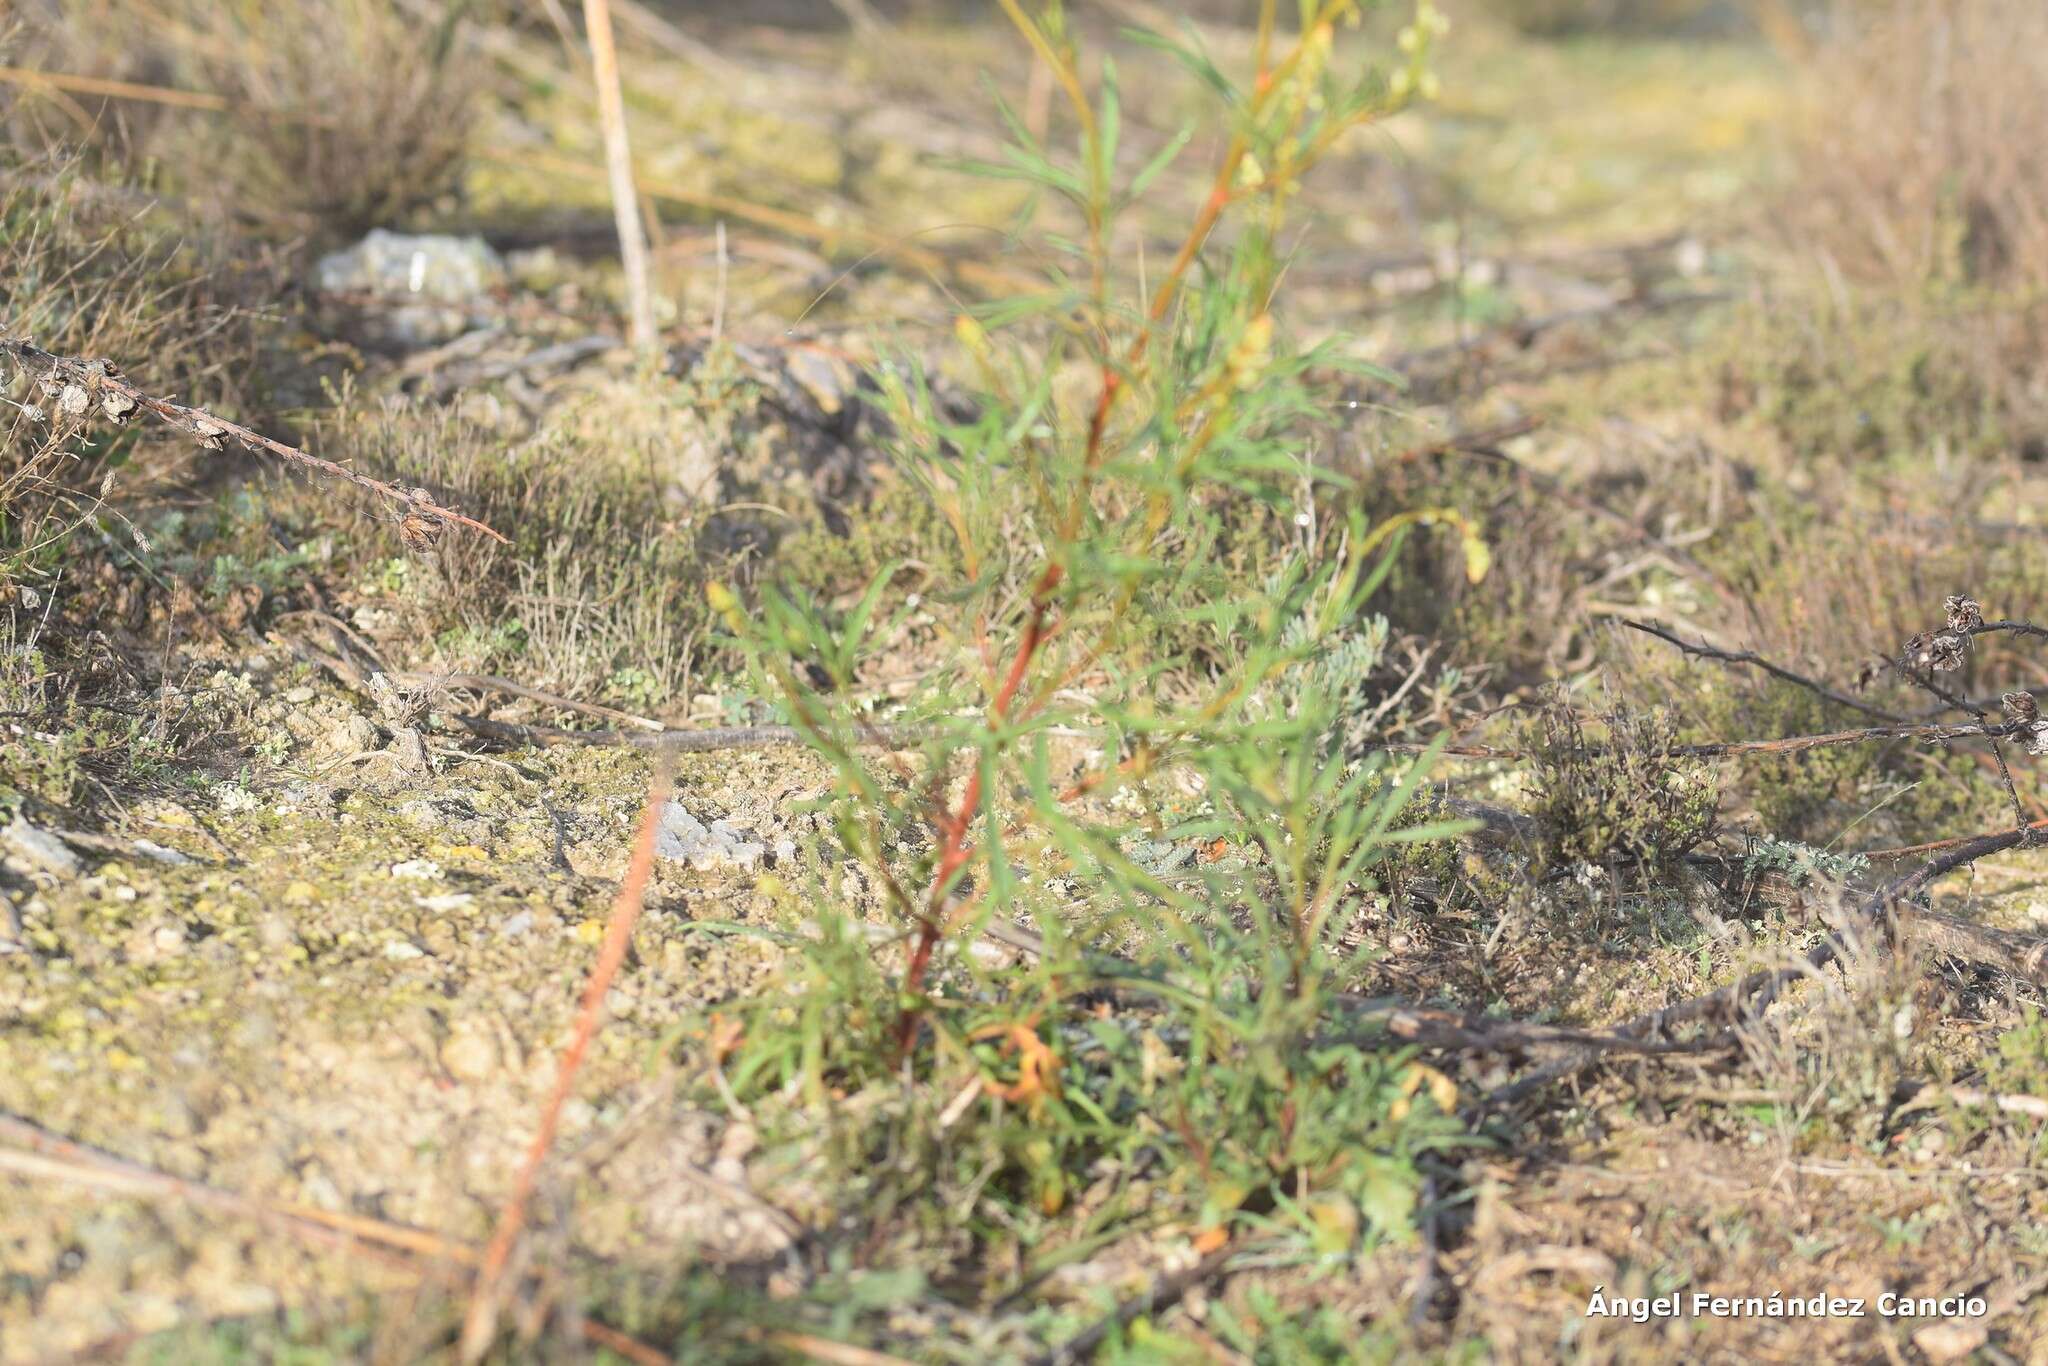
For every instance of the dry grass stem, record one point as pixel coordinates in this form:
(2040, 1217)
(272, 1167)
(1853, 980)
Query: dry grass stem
(618, 156)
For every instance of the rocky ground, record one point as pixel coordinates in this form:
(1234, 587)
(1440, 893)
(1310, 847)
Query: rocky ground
(300, 899)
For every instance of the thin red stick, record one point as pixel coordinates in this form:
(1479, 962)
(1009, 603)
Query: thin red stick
(480, 1324)
(954, 850)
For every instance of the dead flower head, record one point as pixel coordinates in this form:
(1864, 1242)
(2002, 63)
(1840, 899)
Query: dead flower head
(1964, 614)
(2023, 709)
(1939, 652)
(421, 526)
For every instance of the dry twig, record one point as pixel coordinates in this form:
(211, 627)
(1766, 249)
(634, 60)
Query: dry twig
(1744, 1002)
(78, 387)
(42, 1155)
(1971, 1097)
(1729, 749)
(701, 741)
(1705, 651)
(1163, 1293)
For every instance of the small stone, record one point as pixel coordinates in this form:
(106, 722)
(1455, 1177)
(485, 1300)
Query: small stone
(393, 265)
(40, 849)
(470, 1054)
(426, 286)
(152, 849)
(1951, 1339)
(354, 734)
(403, 950)
(683, 837)
(422, 869)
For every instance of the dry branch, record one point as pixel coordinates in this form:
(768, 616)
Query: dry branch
(1948, 700)
(701, 741)
(1705, 651)
(493, 683)
(79, 387)
(1452, 1031)
(1165, 1292)
(1744, 1002)
(757, 737)
(2022, 956)
(1970, 1097)
(1729, 749)
(35, 1152)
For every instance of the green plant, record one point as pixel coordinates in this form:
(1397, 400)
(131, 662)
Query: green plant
(1100, 592)
(1622, 798)
(2020, 1063)
(1800, 862)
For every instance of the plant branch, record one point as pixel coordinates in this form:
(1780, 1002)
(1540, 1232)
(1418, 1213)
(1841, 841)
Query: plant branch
(1790, 744)
(1705, 651)
(80, 386)
(1745, 1001)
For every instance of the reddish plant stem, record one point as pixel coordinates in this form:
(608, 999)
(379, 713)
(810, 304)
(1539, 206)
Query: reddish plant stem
(954, 849)
(480, 1323)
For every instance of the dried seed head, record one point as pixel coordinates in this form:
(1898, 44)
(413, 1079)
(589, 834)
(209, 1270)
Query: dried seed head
(116, 405)
(1939, 652)
(2037, 738)
(73, 401)
(1964, 614)
(208, 432)
(2020, 706)
(420, 532)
